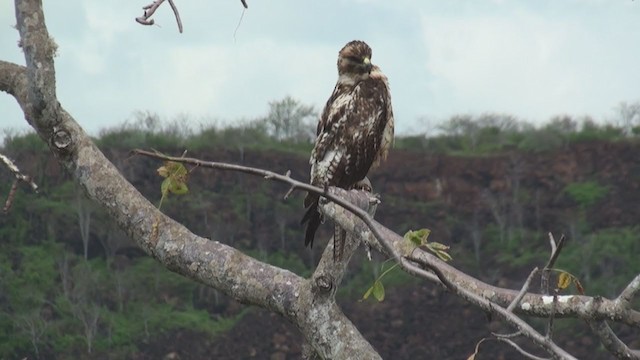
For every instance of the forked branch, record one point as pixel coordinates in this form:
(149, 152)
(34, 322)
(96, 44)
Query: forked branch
(19, 177)
(404, 258)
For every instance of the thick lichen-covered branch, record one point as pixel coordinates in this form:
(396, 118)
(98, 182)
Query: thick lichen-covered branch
(532, 304)
(249, 281)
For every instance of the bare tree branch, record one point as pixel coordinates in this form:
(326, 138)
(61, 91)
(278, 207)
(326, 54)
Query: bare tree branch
(249, 281)
(544, 342)
(462, 284)
(17, 173)
(307, 303)
(556, 247)
(611, 342)
(360, 213)
(629, 292)
(577, 306)
(383, 243)
(20, 177)
(150, 9)
(519, 349)
(177, 14)
(555, 250)
(13, 80)
(523, 290)
(12, 194)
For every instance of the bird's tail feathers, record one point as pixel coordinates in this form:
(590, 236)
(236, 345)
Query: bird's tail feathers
(339, 239)
(313, 219)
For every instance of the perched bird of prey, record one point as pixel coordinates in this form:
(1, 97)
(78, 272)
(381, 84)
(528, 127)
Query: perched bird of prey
(354, 133)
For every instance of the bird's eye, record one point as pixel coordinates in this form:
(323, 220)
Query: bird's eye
(354, 59)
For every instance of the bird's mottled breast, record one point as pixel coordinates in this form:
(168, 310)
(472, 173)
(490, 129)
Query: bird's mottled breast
(386, 140)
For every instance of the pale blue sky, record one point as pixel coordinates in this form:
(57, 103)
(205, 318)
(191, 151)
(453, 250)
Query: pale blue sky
(532, 59)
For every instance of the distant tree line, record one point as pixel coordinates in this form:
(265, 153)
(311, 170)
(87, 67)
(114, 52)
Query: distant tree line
(290, 126)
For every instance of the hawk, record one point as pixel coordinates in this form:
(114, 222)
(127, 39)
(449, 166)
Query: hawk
(354, 133)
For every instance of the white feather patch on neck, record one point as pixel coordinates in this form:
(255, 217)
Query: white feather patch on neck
(350, 79)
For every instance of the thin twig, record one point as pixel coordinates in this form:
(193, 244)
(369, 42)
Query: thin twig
(520, 350)
(507, 336)
(407, 265)
(150, 9)
(611, 342)
(629, 292)
(556, 247)
(556, 252)
(235, 31)
(552, 242)
(361, 214)
(177, 14)
(523, 291)
(20, 177)
(544, 342)
(544, 280)
(17, 173)
(550, 323)
(10, 197)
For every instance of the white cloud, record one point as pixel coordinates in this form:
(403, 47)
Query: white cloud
(524, 62)
(532, 59)
(223, 81)
(499, 63)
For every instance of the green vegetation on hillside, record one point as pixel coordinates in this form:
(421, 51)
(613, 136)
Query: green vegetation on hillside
(72, 285)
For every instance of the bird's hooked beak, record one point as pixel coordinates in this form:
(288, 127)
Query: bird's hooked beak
(367, 64)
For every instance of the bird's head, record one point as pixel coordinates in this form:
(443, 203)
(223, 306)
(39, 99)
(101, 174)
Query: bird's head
(354, 60)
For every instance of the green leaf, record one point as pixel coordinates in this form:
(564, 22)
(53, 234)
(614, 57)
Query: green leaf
(378, 291)
(367, 294)
(164, 187)
(172, 169)
(179, 188)
(418, 237)
(444, 256)
(440, 250)
(438, 246)
(175, 175)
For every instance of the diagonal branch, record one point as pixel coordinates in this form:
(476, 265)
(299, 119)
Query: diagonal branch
(556, 247)
(537, 305)
(270, 175)
(329, 331)
(576, 306)
(382, 242)
(20, 177)
(611, 342)
(523, 291)
(13, 80)
(17, 173)
(150, 9)
(522, 351)
(629, 292)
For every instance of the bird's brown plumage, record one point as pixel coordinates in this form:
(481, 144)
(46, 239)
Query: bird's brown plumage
(355, 130)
